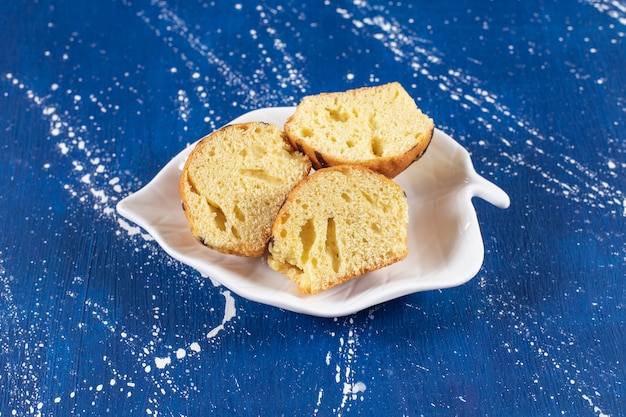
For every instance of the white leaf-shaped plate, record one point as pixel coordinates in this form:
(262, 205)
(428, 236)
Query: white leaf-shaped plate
(445, 243)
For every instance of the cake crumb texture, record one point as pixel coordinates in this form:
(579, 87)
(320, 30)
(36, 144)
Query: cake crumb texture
(338, 224)
(235, 181)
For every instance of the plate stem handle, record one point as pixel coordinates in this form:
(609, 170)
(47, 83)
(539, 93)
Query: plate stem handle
(489, 192)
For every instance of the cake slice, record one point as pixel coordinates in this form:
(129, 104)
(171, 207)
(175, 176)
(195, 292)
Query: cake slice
(235, 181)
(337, 224)
(379, 127)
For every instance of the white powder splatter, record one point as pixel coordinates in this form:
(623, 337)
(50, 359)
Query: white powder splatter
(161, 363)
(63, 147)
(347, 364)
(173, 24)
(613, 9)
(146, 355)
(320, 394)
(181, 353)
(596, 409)
(288, 72)
(183, 106)
(354, 389)
(133, 230)
(584, 185)
(229, 313)
(91, 172)
(47, 111)
(19, 358)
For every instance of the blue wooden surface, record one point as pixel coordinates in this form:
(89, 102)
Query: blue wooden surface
(96, 319)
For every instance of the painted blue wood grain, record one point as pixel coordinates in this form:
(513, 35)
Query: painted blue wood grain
(96, 319)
